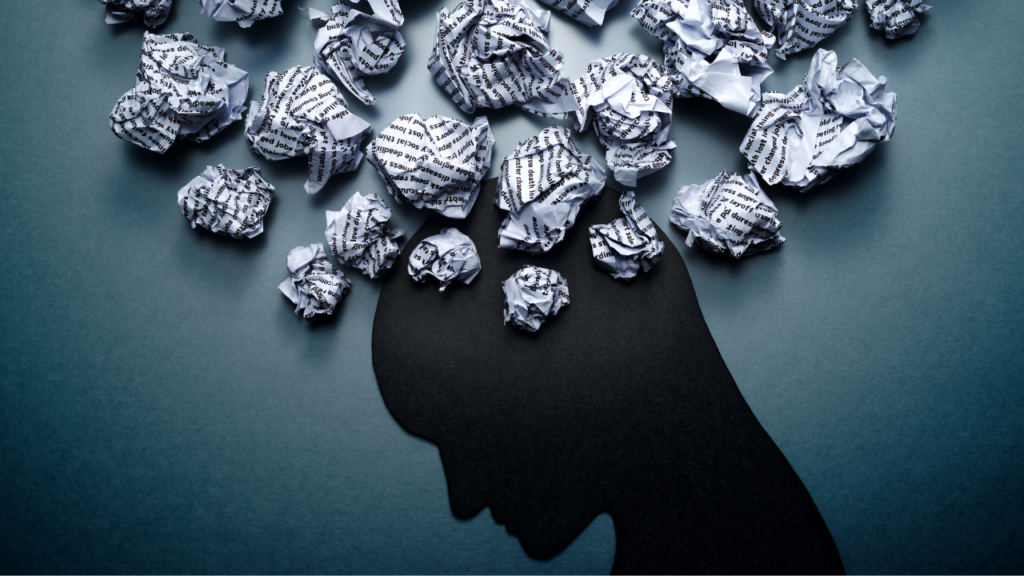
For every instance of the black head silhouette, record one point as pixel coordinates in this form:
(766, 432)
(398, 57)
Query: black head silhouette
(620, 404)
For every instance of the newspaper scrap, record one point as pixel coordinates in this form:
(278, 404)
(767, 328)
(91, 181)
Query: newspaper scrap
(543, 183)
(225, 201)
(833, 121)
(437, 163)
(347, 51)
(302, 113)
(589, 12)
(628, 244)
(532, 294)
(183, 90)
(800, 24)
(387, 13)
(713, 47)
(449, 256)
(494, 53)
(361, 236)
(314, 285)
(628, 99)
(896, 17)
(245, 12)
(152, 12)
(728, 214)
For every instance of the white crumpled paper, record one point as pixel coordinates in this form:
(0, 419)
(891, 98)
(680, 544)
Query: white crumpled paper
(437, 163)
(494, 53)
(896, 17)
(589, 12)
(152, 12)
(532, 294)
(450, 256)
(728, 214)
(833, 121)
(625, 246)
(244, 12)
(628, 99)
(713, 47)
(347, 51)
(361, 236)
(183, 90)
(302, 113)
(314, 285)
(800, 24)
(542, 184)
(225, 201)
(387, 13)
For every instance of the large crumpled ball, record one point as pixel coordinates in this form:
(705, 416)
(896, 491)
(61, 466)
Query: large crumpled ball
(231, 202)
(152, 12)
(831, 122)
(183, 90)
(801, 24)
(450, 256)
(543, 183)
(713, 47)
(244, 12)
(533, 294)
(628, 99)
(361, 236)
(302, 113)
(628, 244)
(387, 13)
(494, 53)
(437, 163)
(589, 12)
(314, 285)
(349, 51)
(896, 17)
(728, 214)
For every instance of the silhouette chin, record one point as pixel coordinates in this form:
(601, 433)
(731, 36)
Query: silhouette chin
(620, 404)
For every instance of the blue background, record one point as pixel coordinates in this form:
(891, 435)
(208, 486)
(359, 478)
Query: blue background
(163, 410)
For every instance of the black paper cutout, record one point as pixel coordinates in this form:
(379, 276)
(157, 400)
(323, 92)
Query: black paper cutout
(620, 404)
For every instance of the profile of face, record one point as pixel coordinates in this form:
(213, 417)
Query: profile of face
(620, 404)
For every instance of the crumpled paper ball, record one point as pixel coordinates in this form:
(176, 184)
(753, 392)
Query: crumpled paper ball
(484, 48)
(437, 163)
(629, 244)
(225, 201)
(728, 214)
(314, 285)
(533, 294)
(347, 51)
(450, 256)
(152, 12)
(303, 114)
(834, 120)
(183, 90)
(361, 236)
(801, 24)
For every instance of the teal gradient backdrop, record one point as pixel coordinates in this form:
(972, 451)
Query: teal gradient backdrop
(163, 410)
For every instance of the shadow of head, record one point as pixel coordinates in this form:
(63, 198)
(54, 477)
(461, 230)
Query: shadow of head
(619, 404)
